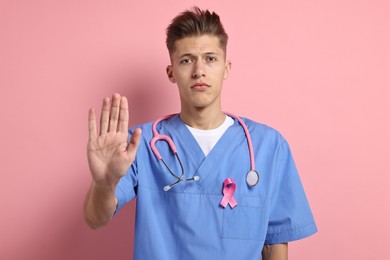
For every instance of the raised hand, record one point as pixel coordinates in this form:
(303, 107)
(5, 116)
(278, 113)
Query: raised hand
(109, 153)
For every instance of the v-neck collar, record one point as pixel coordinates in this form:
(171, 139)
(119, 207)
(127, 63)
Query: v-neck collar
(194, 160)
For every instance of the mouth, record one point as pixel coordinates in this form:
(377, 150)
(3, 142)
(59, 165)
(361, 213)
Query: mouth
(200, 86)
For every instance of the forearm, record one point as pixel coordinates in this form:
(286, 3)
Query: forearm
(100, 205)
(275, 252)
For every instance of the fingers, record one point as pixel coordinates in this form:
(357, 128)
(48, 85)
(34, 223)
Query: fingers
(123, 116)
(92, 124)
(114, 113)
(134, 142)
(105, 115)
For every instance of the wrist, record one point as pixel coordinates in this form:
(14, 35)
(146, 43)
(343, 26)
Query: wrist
(100, 204)
(106, 185)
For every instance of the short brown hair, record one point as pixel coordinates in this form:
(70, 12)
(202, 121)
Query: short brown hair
(195, 22)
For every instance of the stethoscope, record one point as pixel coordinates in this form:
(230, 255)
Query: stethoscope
(252, 177)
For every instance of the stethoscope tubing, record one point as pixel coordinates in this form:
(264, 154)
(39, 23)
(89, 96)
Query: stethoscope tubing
(157, 136)
(248, 139)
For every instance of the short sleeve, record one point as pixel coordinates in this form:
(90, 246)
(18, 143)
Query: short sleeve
(290, 214)
(125, 190)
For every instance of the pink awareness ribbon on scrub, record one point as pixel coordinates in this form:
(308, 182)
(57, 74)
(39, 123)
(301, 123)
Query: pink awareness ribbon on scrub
(229, 187)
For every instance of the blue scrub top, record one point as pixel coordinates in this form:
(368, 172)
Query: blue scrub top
(187, 222)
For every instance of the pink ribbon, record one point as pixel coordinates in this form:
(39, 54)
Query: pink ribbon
(229, 187)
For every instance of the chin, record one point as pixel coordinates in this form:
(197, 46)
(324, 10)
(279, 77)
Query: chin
(201, 104)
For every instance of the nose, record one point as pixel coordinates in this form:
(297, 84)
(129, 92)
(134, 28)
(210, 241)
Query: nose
(199, 70)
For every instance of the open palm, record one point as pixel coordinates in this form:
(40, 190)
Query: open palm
(110, 154)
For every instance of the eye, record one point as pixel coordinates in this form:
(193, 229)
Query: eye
(211, 59)
(185, 61)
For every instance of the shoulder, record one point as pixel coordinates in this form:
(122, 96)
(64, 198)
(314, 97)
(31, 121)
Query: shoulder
(145, 127)
(169, 120)
(263, 131)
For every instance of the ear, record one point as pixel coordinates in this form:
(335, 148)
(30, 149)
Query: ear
(169, 71)
(228, 66)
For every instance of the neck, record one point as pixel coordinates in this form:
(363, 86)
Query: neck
(202, 118)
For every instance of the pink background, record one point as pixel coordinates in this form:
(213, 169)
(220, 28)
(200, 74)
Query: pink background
(318, 71)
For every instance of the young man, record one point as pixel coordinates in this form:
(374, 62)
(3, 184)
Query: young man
(195, 199)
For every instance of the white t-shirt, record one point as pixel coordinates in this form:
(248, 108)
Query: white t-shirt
(208, 138)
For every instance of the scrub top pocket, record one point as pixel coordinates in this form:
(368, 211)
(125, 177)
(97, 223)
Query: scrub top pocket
(245, 221)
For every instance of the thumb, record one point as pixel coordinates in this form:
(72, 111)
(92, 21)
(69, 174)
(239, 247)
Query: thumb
(134, 142)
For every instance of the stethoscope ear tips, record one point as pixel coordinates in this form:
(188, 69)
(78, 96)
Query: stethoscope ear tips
(167, 188)
(196, 178)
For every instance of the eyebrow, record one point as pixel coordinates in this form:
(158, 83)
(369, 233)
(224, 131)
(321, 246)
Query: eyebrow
(191, 54)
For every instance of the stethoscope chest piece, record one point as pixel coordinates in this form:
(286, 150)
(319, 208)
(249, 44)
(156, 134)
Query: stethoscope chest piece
(252, 178)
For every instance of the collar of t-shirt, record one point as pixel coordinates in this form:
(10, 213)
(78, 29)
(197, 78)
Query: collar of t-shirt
(208, 138)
